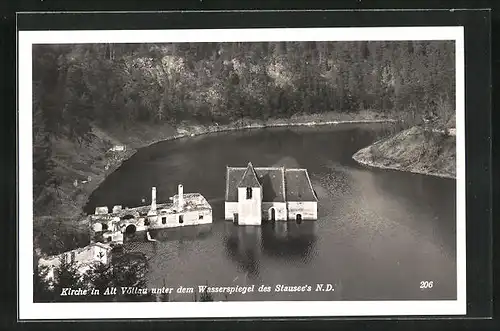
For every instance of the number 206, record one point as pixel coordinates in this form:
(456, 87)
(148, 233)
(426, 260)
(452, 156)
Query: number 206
(426, 284)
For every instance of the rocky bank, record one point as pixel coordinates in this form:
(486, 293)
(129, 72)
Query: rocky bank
(417, 150)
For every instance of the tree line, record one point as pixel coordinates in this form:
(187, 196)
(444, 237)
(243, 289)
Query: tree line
(110, 84)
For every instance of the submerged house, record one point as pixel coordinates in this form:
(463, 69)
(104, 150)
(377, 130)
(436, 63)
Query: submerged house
(269, 194)
(83, 258)
(184, 209)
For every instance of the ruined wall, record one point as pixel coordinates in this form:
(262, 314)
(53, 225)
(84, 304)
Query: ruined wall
(206, 217)
(138, 222)
(104, 223)
(307, 209)
(250, 210)
(192, 217)
(280, 210)
(115, 237)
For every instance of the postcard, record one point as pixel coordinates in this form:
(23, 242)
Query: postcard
(266, 172)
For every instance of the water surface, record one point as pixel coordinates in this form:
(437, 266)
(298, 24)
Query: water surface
(379, 232)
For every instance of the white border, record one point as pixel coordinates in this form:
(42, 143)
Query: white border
(29, 310)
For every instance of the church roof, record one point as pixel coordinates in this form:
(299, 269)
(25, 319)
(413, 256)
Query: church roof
(249, 178)
(299, 187)
(278, 183)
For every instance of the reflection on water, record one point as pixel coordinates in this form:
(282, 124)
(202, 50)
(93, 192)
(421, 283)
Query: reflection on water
(244, 247)
(280, 240)
(186, 233)
(378, 234)
(289, 240)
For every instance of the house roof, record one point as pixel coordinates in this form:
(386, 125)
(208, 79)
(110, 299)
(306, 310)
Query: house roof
(278, 184)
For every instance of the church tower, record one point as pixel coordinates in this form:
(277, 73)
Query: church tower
(249, 198)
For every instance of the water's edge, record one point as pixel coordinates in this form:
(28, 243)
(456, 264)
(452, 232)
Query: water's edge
(370, 164)
(78, 197)
(386, 153)
(218, 129)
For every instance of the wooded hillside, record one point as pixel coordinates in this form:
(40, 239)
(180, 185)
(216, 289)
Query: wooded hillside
(76, 87)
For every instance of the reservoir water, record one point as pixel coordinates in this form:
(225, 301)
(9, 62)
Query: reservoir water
(379, 233)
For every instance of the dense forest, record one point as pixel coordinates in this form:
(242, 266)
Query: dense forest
(79, 87)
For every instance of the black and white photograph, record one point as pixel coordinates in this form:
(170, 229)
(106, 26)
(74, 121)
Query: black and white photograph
(270, 172)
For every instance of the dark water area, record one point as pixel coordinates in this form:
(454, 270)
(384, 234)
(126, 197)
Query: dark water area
(379, 233)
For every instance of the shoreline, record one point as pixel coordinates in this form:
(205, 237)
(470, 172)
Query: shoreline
(417, 172)
(415, 150)
(73, 208)
(222, 128)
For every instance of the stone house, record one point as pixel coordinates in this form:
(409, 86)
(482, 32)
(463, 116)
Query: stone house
(184, 209)
(269, 194)
(83, 258)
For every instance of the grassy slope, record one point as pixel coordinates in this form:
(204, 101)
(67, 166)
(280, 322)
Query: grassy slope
(414, 150)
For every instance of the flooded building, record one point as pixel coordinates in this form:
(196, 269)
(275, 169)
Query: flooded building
(270, 194)
(83, 258)
(183, 209)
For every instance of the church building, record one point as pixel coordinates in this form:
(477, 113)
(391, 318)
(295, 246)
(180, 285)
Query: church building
(257, 194)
